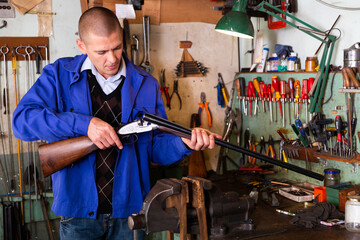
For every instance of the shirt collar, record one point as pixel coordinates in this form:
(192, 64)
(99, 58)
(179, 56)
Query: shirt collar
(88, 65)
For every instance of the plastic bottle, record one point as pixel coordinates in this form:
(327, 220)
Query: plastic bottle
(264, 55)
(282, 65)
(291, 62)
(273, 63)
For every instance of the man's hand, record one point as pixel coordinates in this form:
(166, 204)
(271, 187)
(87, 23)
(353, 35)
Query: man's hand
(103, 134)
(201, 139)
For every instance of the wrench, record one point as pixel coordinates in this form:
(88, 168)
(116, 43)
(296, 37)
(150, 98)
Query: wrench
(135, 50)
(146, 61)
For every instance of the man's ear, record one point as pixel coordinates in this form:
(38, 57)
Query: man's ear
(81, 46)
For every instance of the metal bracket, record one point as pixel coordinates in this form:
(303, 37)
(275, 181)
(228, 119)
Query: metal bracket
(323, 162)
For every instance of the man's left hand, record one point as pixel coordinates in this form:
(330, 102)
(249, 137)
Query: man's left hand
(201, 139)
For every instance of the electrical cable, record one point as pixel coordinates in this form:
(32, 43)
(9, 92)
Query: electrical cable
(338, 7)
(336, 69)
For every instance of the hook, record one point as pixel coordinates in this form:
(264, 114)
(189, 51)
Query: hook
(4, 24)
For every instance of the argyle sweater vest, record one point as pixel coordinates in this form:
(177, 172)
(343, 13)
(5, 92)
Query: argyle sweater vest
(108, 109)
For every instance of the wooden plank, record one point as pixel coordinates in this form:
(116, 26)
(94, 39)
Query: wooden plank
(84, 5)
(13, 42)
(174, 11)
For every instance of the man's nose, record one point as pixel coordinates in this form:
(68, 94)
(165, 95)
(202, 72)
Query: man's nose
(112, 57)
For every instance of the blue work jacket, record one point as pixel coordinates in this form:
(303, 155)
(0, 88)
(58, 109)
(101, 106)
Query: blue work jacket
(58, 106)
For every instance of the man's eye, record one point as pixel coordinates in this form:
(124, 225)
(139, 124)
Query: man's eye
(101, 53)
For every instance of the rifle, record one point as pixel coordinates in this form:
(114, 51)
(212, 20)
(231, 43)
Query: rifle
(82, 146)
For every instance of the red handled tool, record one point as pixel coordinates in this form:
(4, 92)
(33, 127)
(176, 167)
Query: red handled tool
(291, 95)
(163, 88)
(262, 94)
(304, 97)
(283, 96)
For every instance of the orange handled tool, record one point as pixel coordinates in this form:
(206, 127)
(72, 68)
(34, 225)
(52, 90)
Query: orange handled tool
(297, 97)
(203, 104)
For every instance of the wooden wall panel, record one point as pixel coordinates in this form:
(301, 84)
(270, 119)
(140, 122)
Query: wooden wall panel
(166, 11)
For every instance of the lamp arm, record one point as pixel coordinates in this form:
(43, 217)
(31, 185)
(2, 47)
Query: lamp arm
(262, 7)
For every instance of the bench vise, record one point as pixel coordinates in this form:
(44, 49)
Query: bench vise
(193, 205)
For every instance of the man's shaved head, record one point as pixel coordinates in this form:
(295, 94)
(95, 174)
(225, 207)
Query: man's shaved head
(99, 21)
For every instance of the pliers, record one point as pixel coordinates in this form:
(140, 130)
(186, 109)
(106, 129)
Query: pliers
(177, 93)
(271, 149)
(252, 147)
(163, 88)
(204, 104)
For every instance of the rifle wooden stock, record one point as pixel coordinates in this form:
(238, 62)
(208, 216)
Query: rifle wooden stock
(58, 155)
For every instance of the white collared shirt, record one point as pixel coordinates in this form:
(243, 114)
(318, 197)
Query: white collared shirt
(107, 85)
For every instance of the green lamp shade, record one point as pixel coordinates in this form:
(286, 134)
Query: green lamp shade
(236, 24)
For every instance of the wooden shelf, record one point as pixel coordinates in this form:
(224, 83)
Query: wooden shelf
(353, 160)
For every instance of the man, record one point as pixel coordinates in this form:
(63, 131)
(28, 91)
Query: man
(91, 94)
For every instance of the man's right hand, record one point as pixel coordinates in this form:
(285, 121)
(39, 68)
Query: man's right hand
(103, 134)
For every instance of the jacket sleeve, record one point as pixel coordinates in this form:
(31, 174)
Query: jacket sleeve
(39, 114)
(167, 148)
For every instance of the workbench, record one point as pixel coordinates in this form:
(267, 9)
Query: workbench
(276, 225)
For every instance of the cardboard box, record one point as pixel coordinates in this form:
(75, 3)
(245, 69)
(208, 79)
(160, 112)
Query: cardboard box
(333, 194)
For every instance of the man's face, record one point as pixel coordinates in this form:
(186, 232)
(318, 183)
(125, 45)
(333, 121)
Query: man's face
(104, 52)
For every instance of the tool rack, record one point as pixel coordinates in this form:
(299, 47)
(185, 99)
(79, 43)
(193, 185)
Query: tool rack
(261, 126)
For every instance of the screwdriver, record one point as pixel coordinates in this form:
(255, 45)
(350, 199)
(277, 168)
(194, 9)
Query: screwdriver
(291, 95)
(304, 97)
(297, 96)
(268, 98)
(251, 94)
(237, 85)
(338, 126)
(275, 83)
(257, 89)
(262, 94)
(273, 99)
(282, 92)
(309, 86)
(242, 94)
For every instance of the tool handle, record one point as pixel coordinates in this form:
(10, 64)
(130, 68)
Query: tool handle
(300, 127)
(281, 135)
(237, 85)
(291, 87)
(282, 88)
(166, 90)
(251, 90)
(256, 85)
(310, 83)
(297, 90)
(276, 85)
(352, 77)
(242, 86)
(346, 80)
(304, 89)
(262, 89)
(339, 126)
(208, 114)
(38, 61)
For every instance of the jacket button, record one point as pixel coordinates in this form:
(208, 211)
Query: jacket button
(91, 214)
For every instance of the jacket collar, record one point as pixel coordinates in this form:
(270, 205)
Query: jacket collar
(130, 89)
